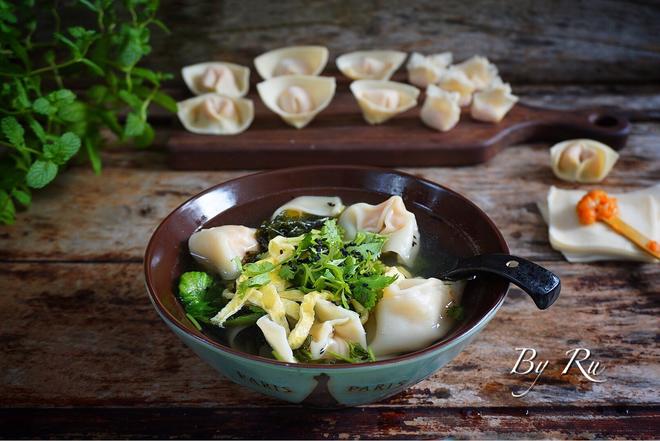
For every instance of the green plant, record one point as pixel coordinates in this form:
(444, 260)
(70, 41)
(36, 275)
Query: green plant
(43, 123)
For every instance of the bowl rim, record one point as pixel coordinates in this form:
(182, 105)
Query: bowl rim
(205, 340)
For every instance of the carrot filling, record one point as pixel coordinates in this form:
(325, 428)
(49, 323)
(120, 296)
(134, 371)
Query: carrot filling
(653, 246)
(596, 205)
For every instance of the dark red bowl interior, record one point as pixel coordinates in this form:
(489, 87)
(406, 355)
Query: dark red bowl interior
(446, 220)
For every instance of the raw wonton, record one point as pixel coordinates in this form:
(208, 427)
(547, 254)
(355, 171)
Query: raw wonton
(441, 110)
(390, 218)
(329, 206)
(479, 70)
(228, 79)
(213, 114)
(582, 160)
(412, 314)
(297, 98)
(334, 328)
(492, 103)
(294, 60)
(370, 65)
(455, 80)
(425, 70)
(381, 100)
(218, 248)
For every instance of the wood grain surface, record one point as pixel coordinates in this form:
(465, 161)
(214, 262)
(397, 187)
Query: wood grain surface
(578, 41)
(85, 354)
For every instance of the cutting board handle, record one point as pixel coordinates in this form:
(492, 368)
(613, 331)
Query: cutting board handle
(602, 124)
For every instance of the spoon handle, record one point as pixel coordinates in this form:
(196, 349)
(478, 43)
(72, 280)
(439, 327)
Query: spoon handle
(542, 285)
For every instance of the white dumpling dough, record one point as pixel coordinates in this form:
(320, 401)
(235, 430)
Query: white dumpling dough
(295, 99)
(215, 114)
(276, 337)
(291, 66)
(441, 110)
(411, 315)
(218, 248)
(219, 79)
(383, 98)
(329, 206)
(455, 80)
(334, 328)
(390, 218)
(425, 70)
(492, 103)
(479, 70)
(582, 160)
(586, 243)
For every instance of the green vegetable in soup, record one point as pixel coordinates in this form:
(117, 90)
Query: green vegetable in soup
(456, 312)
(351, 270)
(356, 354)
(200, 294)
(287, 224)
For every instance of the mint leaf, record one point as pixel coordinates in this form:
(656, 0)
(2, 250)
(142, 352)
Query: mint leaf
(72, 112)
(69, 145)
(37, 129)
(41, 173)
(134, 125)
(44, 107)
(165, 101)
(62, 96)
(22, 197)
(13, 131)
(7, 208)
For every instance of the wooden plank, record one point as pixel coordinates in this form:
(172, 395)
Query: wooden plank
(567, 41)
(85, 334)
(110, 217)
(339, 135)
(306, 423)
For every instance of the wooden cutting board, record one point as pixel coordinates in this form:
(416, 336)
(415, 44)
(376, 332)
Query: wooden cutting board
(339, 135)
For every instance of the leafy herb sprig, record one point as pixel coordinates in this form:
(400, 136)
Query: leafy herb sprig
(43, 123)
(351, 270)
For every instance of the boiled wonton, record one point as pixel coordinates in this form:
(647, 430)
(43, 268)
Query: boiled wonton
(390, 218)
(220, 249)
(329, 206)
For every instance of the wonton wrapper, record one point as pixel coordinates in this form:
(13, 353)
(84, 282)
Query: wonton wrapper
(493, 103)
(455, 80)
(227, 79)
(390, 218)
(276, 337)
(441, 110)
(213, 114)
(292, 60)
(381, 100)
(330, 206)
(425, 70)
(218, 248)
(334, 328)
(582, 160)
(370, 65)
(318, 92)
(588, 243)
(480, 71)
(411, 315)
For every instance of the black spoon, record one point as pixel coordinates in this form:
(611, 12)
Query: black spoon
(542, 285)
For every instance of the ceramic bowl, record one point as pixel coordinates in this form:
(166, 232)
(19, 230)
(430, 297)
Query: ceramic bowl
(446, 219)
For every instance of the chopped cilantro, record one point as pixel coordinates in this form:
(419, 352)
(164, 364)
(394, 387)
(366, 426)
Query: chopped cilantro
(356, 354)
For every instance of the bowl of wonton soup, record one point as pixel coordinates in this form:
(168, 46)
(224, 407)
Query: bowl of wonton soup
(447, 222)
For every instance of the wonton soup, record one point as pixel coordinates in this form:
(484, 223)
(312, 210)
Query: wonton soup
(319, 282)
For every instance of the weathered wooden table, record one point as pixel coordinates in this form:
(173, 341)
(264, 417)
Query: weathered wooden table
(85, 355)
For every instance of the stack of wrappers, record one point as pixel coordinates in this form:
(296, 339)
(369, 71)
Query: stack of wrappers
(589, 243)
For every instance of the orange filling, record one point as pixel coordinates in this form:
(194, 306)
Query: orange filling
(596, 205)
(653, 246)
